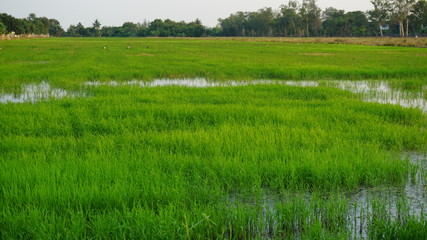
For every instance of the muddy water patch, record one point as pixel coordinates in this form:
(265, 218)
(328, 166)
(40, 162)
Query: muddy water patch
(37, 92)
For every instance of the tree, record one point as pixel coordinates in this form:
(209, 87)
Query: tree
(401, 12)
(311, 14)
(55, 28)
(12, 24)
(289, 21)
(234, 25)
(81, 30)
(260, 23)
(129, 29)
(419, 17)
(33, 24)
(356, 24)
(196, 29)
(3, 29)
(96, 28)
(334, 22)
(381, 13)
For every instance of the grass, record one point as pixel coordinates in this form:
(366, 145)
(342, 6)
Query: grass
(194, 163)
(69, 62)
(368, 41)
(164, 162)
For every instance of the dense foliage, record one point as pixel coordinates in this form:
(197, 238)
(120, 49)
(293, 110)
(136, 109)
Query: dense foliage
(389, 17)
(305, 19)
(32, 24)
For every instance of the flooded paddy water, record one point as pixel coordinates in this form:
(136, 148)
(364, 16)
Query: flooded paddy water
(362, 207)
(357, 210)
(370, 91)
(37, 92)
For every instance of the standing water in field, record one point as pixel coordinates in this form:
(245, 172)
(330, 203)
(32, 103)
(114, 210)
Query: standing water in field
(361, 213)
(371, 91)
(381, 92)
(391, 203)
(34, 93)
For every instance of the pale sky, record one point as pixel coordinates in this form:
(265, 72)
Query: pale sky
(116, 12)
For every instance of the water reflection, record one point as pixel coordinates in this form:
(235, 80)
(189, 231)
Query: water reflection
(193, 82)
(408, 201)
(363, 206)
(371, 91)
(36, 92)
(381, 92)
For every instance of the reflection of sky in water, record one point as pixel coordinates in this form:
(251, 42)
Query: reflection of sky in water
(411, 199)
(413, 196)
(34, 93)
(372, 91)
(381, 92)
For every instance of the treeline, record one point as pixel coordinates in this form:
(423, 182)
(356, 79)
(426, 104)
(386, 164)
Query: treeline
(294, 19)
(30, 25)
(156, 28)
(306, 19)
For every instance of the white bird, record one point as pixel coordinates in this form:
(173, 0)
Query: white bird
(128, 47)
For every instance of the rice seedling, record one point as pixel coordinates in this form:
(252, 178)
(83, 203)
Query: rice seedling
(177, 162)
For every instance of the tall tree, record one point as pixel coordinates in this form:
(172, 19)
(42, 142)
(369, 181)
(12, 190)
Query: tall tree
(334, 22)
(260, 23)
(289, 21)
(381, 13)
(55, 28)
(96, 28)
(3, 29)
(311, 14)
(401, 12)
(196, 28)
(419, 17)
(234, 25)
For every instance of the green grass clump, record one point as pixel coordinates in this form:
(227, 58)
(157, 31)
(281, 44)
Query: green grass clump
(177, 162)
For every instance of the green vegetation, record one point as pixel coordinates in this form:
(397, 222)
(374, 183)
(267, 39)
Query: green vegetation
(195, 163)
(171, 161)
(69, 62)
(304, 18)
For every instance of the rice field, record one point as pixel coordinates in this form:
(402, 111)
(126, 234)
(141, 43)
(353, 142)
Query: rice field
(211, 139)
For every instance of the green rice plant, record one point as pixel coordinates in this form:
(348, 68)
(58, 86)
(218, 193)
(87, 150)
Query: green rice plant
(189, 163)
(68, 62)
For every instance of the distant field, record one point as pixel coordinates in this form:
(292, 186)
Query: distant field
(68, 61)
(369, 41)
(124, 160)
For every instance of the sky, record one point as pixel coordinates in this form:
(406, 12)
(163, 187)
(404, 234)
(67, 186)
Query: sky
(116, 12)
